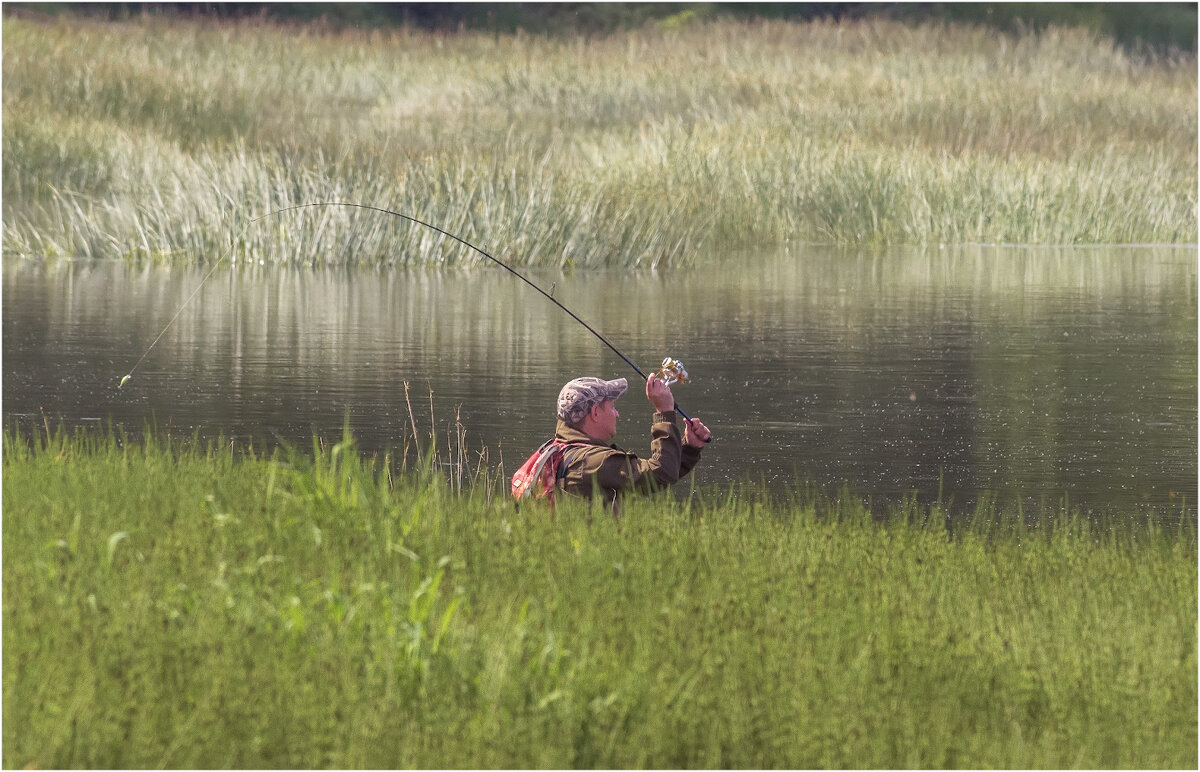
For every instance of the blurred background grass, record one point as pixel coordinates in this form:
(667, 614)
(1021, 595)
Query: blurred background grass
(159, 136)
(1137, 25)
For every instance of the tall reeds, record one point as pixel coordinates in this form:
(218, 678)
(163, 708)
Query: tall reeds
(156, 139)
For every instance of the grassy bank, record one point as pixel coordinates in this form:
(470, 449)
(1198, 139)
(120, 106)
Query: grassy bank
(199, 608)
(162, 138)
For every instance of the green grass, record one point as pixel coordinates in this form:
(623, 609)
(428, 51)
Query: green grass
(159, 138)
(169, 605)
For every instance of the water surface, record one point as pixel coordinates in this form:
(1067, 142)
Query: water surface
(1035, 374)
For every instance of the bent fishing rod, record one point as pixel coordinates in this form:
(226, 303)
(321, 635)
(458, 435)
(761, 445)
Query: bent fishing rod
(672, 369)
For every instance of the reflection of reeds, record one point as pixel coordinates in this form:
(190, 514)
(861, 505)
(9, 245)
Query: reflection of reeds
(163, 139)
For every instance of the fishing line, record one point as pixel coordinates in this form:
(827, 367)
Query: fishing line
(129, 375)
(431, 226)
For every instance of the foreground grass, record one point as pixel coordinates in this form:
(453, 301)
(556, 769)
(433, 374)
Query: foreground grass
(192, 608)
(162, 139)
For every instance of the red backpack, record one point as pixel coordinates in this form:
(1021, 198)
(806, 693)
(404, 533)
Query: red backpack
(542, 470)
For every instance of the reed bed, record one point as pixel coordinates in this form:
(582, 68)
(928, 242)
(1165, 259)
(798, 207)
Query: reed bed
(157, 139)
(174, 605)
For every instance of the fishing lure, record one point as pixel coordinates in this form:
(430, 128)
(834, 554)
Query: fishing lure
(672, 372)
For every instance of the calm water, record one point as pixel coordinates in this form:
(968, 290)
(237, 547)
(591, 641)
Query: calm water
(1038, 374)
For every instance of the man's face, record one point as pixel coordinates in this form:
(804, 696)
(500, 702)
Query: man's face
(604, 417)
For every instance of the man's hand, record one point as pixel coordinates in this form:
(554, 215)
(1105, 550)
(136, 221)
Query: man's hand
(659, 394)
(695, 433)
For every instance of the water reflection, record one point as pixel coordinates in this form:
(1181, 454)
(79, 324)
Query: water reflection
(1029, 372)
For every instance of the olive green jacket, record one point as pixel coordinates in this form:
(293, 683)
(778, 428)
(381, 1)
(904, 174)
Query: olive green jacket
(609, 470)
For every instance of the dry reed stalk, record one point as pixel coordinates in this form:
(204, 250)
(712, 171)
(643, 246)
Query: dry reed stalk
(412, 420)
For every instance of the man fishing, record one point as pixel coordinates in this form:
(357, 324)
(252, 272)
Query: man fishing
(587, 421)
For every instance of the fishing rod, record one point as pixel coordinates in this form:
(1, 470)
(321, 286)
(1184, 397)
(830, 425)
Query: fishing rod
(672, 370)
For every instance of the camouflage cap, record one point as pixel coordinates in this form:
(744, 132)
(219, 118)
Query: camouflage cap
(578, 396)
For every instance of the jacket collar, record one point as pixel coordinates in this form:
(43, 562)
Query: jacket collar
(567, 434)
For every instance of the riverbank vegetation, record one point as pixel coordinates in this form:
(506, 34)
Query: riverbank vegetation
(167, 605)
(1148, 26)
(162, 138)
